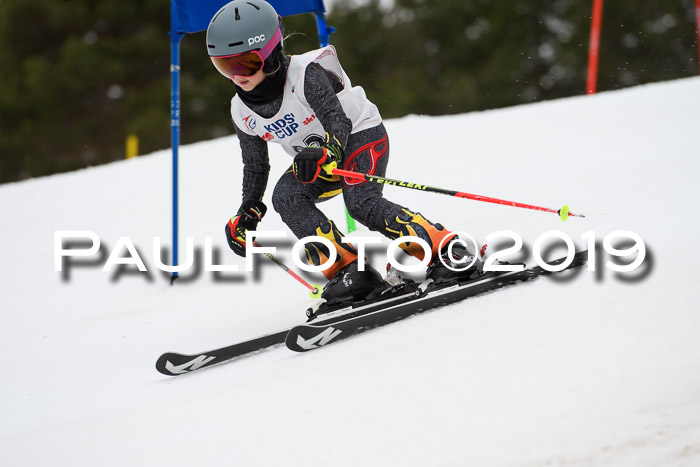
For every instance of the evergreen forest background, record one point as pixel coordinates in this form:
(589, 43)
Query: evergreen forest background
(77, 77)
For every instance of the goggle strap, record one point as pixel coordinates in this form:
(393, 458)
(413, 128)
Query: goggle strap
(271, 44)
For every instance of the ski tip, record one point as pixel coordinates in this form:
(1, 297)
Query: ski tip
(161, 364)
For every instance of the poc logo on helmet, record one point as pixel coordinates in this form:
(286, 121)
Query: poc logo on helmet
(256, 39)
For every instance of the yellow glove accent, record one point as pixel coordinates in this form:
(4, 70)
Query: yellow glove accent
(330, 167)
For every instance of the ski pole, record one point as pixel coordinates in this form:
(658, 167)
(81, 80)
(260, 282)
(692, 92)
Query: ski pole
(315, 289)
(332, 169)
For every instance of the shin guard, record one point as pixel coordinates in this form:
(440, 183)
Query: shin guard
(414, 224)
(317, 253)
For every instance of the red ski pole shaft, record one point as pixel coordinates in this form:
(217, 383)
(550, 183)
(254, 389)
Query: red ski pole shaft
(563, 213)
(314, 289)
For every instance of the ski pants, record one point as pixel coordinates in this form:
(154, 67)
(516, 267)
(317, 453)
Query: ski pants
(367, 152)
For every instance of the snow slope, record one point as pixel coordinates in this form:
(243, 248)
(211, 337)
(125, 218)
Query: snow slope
(602, 369)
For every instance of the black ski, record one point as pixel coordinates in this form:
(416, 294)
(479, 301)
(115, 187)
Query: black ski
(174, 364)
(353, 320)
(343, 322)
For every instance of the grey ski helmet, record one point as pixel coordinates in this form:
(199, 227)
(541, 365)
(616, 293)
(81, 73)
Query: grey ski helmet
(243, 26)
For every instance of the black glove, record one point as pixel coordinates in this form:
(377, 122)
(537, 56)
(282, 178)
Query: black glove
(310, 160)
(249, 215)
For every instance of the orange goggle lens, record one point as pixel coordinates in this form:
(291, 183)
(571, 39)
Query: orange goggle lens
(245, 64)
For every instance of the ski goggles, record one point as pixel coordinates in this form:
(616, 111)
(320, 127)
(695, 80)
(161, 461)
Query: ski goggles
(247, 63)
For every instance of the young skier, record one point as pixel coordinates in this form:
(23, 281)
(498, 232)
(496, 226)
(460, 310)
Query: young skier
(307, 104)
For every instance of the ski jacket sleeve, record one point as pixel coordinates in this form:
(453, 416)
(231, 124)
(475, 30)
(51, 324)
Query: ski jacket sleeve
(256, 165)
(320, 89)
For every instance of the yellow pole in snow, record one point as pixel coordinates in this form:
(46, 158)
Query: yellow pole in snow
(132, 146)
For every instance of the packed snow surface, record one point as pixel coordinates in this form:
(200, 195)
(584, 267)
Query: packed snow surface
(600, 369)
